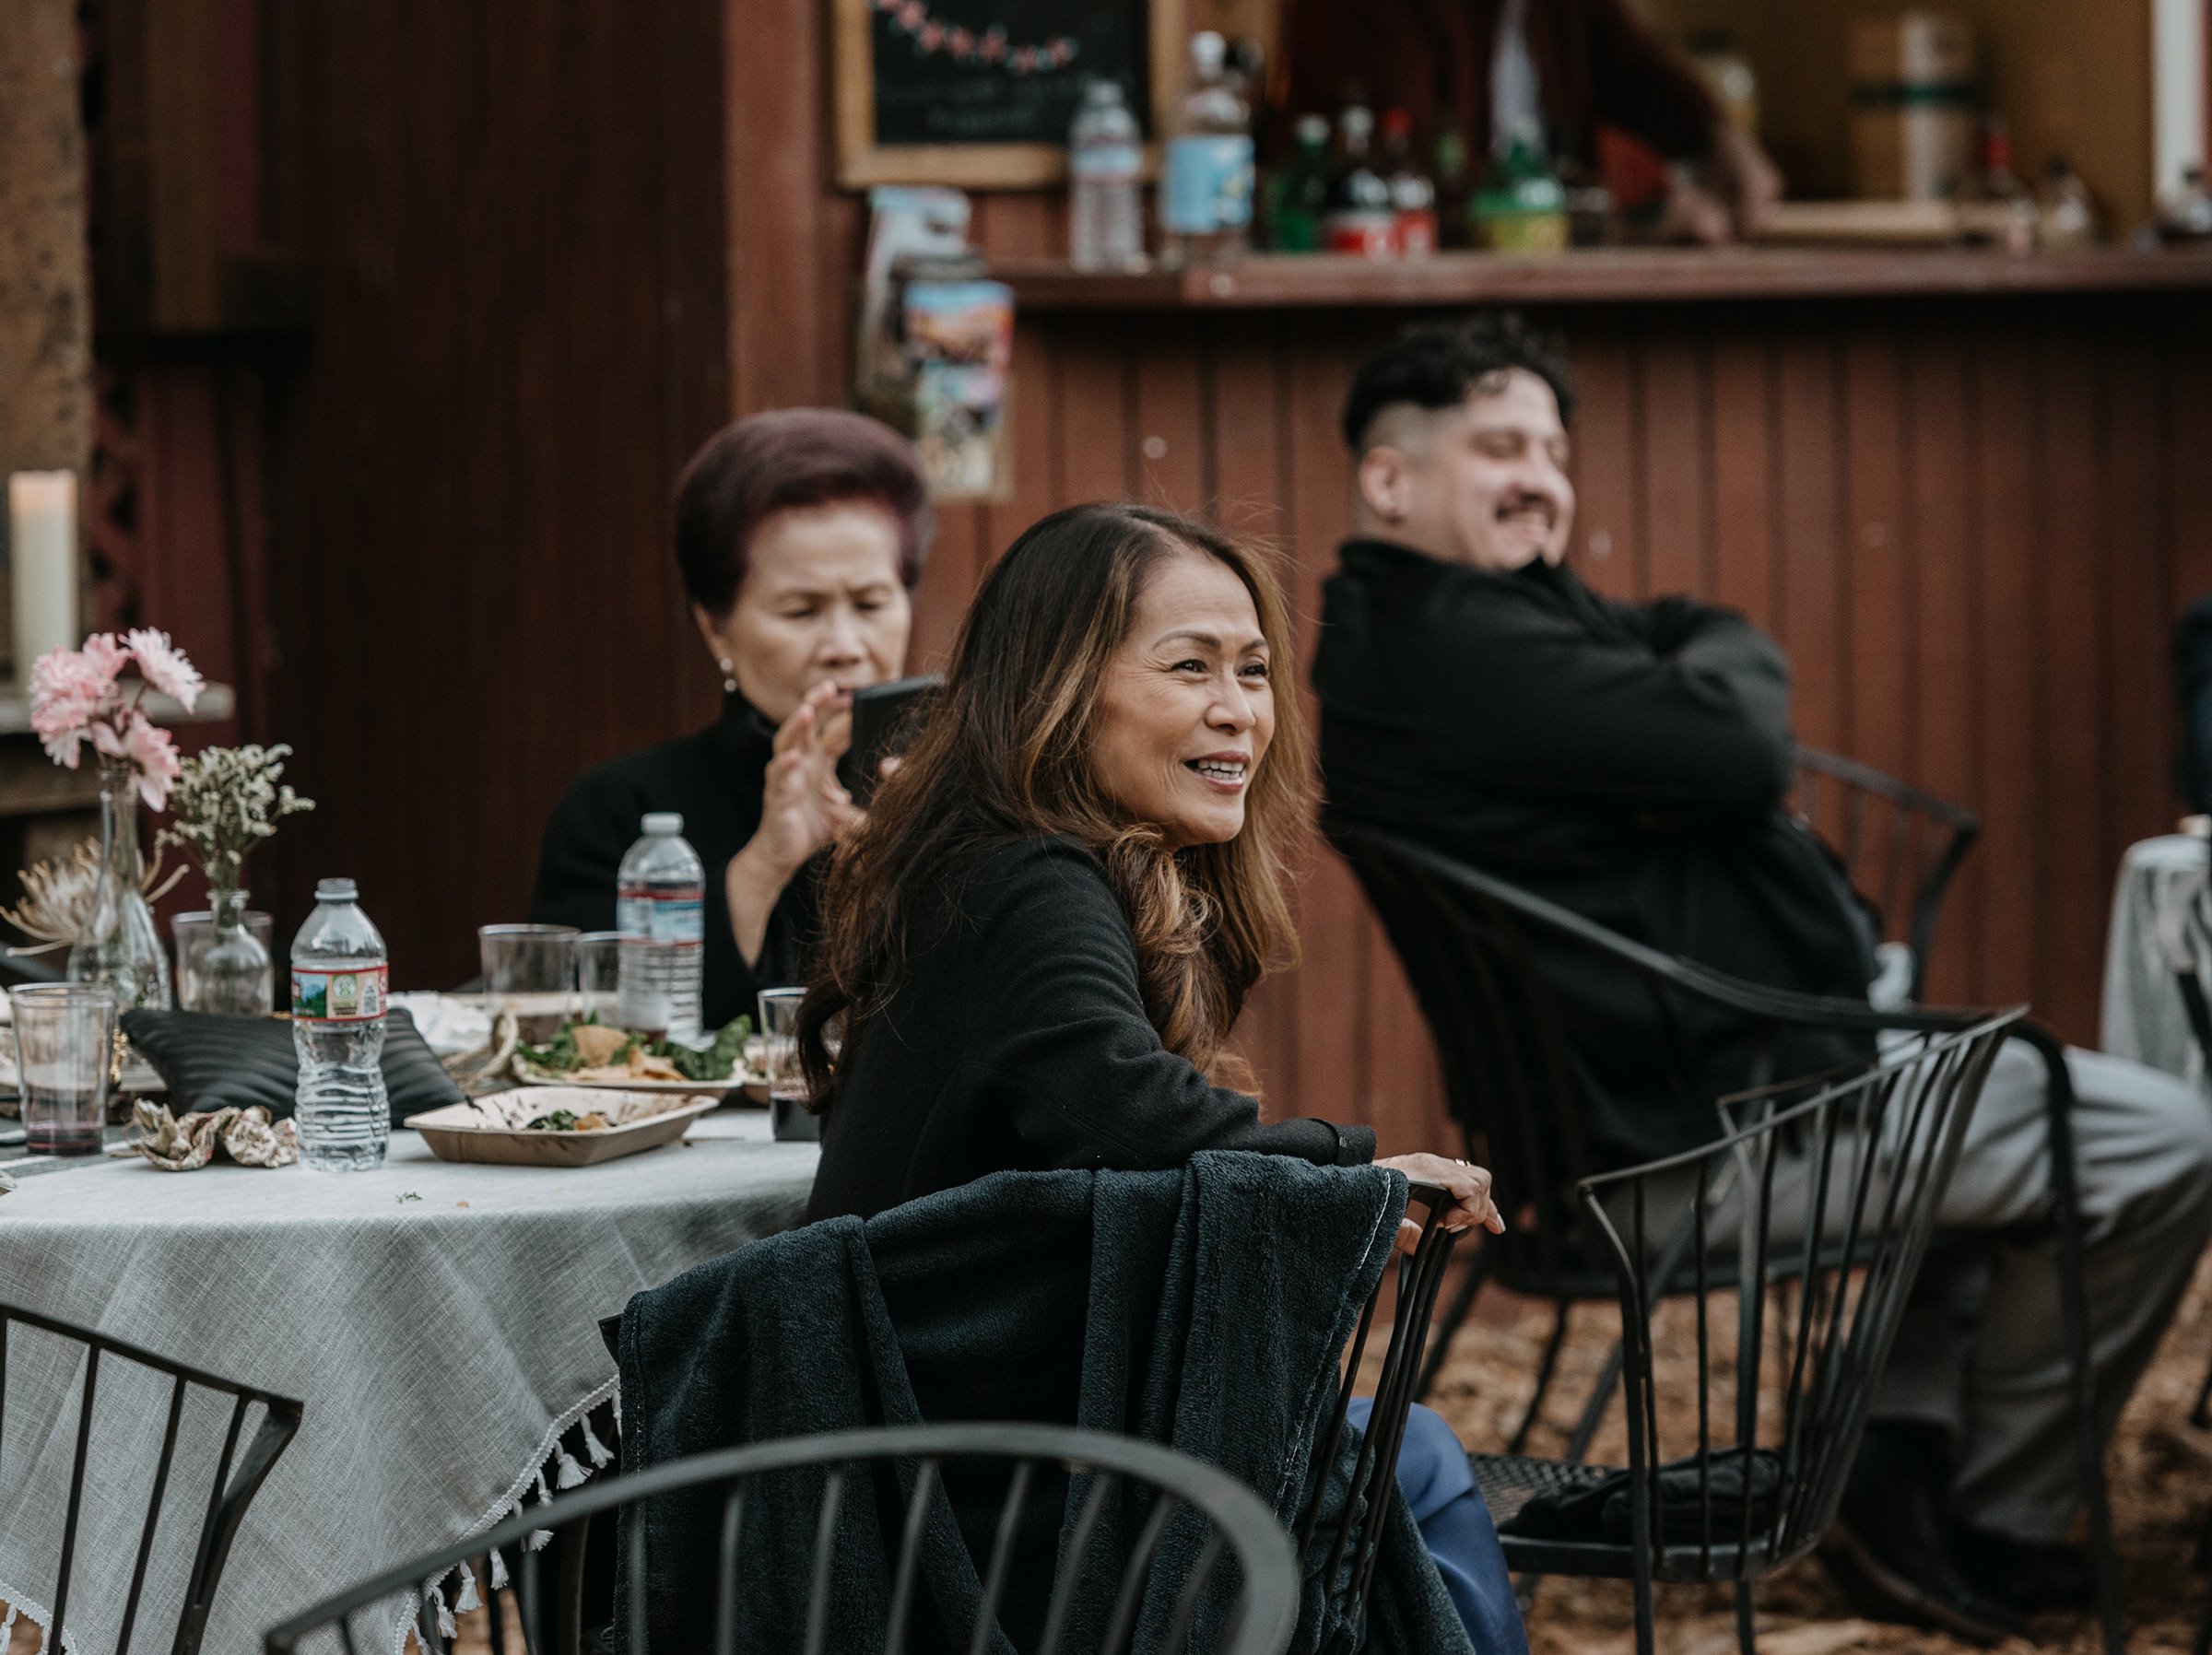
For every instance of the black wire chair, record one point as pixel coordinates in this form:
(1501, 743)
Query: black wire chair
(238, 1476)
(1899, 846)
(1238, 1527)
(1813, 1218)
(1514, 1087)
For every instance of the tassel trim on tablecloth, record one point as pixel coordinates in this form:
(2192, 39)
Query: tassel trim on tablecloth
(554, 1455)
(21, 1607)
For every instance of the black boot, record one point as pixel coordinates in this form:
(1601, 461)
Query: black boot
(1888, 1549)
(2022, 1574)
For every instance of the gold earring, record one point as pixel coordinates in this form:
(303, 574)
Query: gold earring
(729, 674)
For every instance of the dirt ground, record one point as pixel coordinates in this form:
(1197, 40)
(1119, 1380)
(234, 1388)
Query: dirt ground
(2160, 1467)
(2162, 1480)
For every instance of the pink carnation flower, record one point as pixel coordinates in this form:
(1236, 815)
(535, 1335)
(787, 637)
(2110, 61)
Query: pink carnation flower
(67, 689)
(149, 750)
(163, 666)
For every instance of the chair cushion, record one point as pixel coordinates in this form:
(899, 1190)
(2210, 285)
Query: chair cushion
(211, 1062)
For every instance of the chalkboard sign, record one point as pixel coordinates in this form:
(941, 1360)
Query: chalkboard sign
(979, 93)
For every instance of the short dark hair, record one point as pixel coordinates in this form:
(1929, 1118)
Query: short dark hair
(769, 462)
(1438, 364)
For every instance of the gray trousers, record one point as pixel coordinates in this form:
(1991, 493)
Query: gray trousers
(1982, 1351)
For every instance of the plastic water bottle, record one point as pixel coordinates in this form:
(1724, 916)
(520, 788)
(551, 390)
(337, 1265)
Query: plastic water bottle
(340, 985)
(1206, 189)
(1105, 158)
(660, 896)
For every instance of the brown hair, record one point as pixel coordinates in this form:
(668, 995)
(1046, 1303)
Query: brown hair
(769, 462)
(1005, 755)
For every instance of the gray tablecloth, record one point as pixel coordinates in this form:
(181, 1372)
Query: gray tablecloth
(2144, 1018)
(438, 1320)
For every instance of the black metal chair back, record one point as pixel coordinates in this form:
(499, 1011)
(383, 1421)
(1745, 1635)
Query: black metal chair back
(1899, 846)
(1235, 1525)
(1509, 1076)
(1802, 1232)
(237, 1475)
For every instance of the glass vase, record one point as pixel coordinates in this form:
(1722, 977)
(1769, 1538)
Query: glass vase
(227, 967)
(119, 944)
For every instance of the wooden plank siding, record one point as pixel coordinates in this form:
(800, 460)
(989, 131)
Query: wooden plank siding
(1968, 521)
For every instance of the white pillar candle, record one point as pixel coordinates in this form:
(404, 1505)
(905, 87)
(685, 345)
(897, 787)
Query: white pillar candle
(42, 555)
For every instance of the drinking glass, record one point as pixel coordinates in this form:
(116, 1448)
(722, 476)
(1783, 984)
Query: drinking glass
(599, 976)
(196, 935)
(65, 1045)
(780, 1057)
(531, 971)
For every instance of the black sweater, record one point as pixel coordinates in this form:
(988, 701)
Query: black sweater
(1628, 760)
(1020, 1042)
(716, 778)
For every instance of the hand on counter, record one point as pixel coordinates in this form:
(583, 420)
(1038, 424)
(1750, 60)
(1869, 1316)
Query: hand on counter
(1728, 198)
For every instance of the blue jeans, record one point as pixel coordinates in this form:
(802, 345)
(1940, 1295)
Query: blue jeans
(1434, 1476)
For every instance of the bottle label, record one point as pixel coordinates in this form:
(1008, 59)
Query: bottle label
(1208, 186)
(1105, 163)
(1369, 235)
(1416, 232)
(662, 916)
(350, 996)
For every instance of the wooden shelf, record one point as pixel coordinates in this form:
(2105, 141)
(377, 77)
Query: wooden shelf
(1622, 275)
(215, 703)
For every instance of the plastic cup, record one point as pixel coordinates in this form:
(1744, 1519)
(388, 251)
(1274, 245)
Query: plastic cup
(530, 970)
(779, 1056)
(64, 1049)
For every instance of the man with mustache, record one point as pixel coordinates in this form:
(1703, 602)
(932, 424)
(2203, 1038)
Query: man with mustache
(1631, 761)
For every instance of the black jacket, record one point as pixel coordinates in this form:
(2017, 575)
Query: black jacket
(716, 779)
(2193, 675)
(1019, 1043)
(1205, 1308)
(1628, 760)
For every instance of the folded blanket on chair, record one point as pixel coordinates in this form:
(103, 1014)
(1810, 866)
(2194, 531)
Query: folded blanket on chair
(1205, 1308)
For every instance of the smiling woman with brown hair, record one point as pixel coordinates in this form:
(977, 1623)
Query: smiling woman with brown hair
(1039, 940)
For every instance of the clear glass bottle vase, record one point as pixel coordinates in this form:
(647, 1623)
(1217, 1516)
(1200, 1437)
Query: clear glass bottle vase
(119, 945)
(227, 969)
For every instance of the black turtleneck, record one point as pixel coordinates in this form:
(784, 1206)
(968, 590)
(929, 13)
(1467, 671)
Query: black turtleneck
(715, 778)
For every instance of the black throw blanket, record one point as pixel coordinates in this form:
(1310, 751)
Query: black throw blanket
(1204, 1307)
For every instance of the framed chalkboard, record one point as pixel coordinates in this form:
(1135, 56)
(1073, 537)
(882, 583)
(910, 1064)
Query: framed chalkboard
(979, 93)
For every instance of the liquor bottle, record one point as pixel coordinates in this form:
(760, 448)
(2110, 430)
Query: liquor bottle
(1298, 193)
(1205, 196)
(1359, 218)
(2066, 214)
(2002, 210)
(1522, 207)
(1412, 197)
(1455, 190)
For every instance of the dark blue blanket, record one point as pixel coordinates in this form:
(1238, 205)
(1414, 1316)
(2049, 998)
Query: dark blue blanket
(1205, 1308)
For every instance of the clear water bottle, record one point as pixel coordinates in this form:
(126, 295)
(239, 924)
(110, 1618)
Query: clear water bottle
(1105, 158)
(340, 983)
(660, 909)
(1205, 192)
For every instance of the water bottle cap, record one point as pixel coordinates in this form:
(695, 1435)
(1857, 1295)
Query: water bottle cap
(1209, 52)
(1103, 92)
(663, 821)
(335, 890)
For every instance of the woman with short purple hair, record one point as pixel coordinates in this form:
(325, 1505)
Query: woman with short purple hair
(800, 533)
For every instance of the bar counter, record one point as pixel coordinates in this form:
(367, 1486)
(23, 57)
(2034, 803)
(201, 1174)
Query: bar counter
(1610, 275)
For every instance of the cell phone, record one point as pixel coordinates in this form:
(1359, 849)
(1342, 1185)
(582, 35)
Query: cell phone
(884, 719)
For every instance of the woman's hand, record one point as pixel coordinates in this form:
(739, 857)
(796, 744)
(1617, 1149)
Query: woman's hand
(1469, 1186)
(803, 807)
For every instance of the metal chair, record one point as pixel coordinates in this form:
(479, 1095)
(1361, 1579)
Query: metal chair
(1813, 1218)
(1354, 1543)
(1514, 1086)
(1899, 846)
(229, 1494)
(841, 1465)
